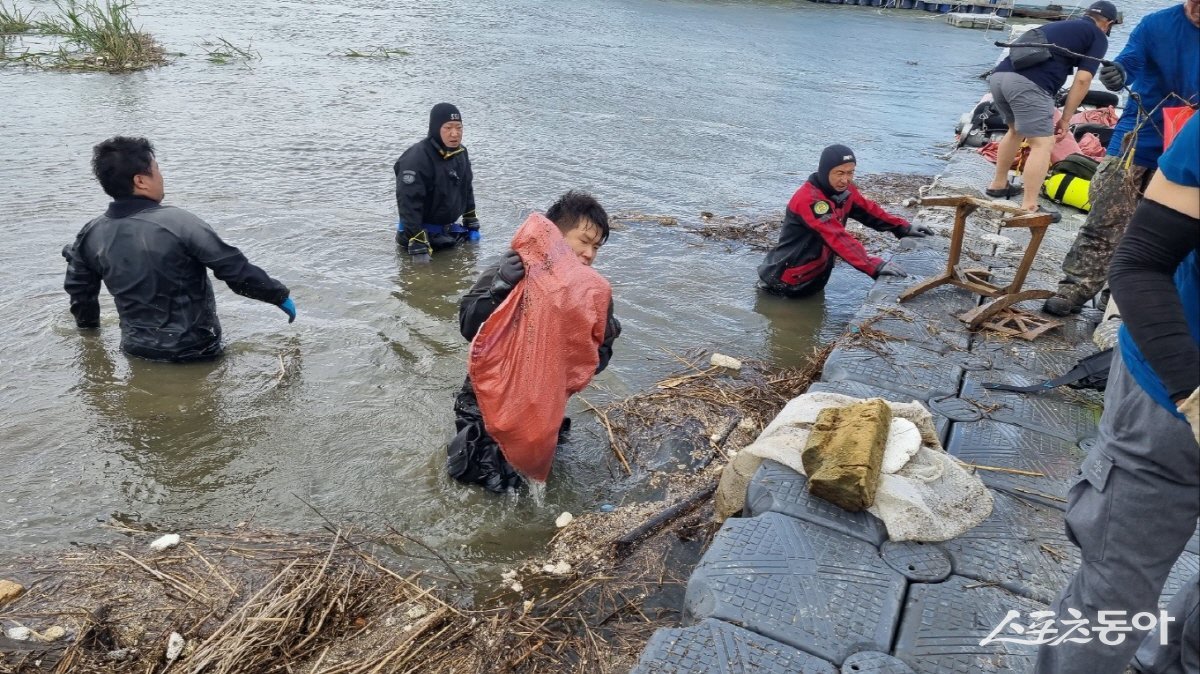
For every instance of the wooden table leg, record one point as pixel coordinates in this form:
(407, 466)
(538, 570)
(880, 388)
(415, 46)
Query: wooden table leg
(1031, 251)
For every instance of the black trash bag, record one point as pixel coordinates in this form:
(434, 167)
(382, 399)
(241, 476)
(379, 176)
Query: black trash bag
(1078, 165)
(473, 457)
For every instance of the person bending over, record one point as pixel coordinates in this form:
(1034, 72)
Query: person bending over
(814, 230)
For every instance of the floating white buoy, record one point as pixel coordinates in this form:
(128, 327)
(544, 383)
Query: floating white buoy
(164, 542)
(564, 519)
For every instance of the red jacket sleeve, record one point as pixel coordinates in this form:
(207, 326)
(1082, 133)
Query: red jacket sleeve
(872, 214)
(833, 232)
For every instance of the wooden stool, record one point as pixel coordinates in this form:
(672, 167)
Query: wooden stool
(1007, 319)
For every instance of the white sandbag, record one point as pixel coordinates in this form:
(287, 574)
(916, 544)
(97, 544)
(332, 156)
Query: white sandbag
(925, 497)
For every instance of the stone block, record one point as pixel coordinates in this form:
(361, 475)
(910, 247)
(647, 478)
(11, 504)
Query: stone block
(844, 453)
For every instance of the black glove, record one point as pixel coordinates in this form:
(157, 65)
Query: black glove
(918, 231)
(890, 269)
(511, 271)
(471, 225)
(1113, 77)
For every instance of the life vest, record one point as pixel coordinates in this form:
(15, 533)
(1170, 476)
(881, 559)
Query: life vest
(1069, 190)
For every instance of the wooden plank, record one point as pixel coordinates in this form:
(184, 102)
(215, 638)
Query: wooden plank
(1028, 220)
(1031, 251)
(924, 286)
(979, 315)
(1000, 206)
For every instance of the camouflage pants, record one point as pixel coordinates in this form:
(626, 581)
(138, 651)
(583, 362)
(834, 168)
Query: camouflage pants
(1114, 193)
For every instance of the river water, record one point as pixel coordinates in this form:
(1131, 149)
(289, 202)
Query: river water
(668, 107)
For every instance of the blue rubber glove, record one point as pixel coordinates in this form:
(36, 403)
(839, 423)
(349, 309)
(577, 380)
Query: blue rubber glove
(289, 308)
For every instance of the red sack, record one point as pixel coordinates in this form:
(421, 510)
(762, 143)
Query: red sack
(540, 346)
(1173, 121)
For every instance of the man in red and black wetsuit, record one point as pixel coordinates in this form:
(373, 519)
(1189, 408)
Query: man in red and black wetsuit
(814, 230)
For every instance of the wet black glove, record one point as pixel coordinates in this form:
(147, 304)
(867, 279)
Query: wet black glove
(471, 225)
(511, 271)
(1113, 77)
(919, 231)
(890, 269)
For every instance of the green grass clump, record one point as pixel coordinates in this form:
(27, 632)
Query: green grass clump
(91, 35)
(13, 21)
(103, 37)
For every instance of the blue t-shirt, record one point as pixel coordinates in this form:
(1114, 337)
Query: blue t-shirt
(1181, 165)
(1161, 57)
(1081, 36)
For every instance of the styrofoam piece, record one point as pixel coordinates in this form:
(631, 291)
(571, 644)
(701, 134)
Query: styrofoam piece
(874, 662)
(1022, 547)
(164, 542)
(944, 624)
(916, 561)
(1048, 413)
(818, 590)
(896, 367)
(777, 488)
(715, 647)
(1008, 446)
(903, 441)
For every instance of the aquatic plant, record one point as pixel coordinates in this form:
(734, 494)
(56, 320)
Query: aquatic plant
(104, 38)
(92, 35)
(221, 51)
(376, 52)
(14, 21)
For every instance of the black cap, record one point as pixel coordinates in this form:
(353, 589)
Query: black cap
(439, 115)
(1105, 10)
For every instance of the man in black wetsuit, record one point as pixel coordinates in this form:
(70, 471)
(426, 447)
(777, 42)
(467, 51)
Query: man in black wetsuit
(154, 259)
(473, 456)
(434, 188)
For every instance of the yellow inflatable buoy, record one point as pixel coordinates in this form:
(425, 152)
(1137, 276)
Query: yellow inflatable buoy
(1069, 190)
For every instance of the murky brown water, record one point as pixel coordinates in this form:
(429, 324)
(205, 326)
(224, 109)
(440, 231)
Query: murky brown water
(668, 107)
